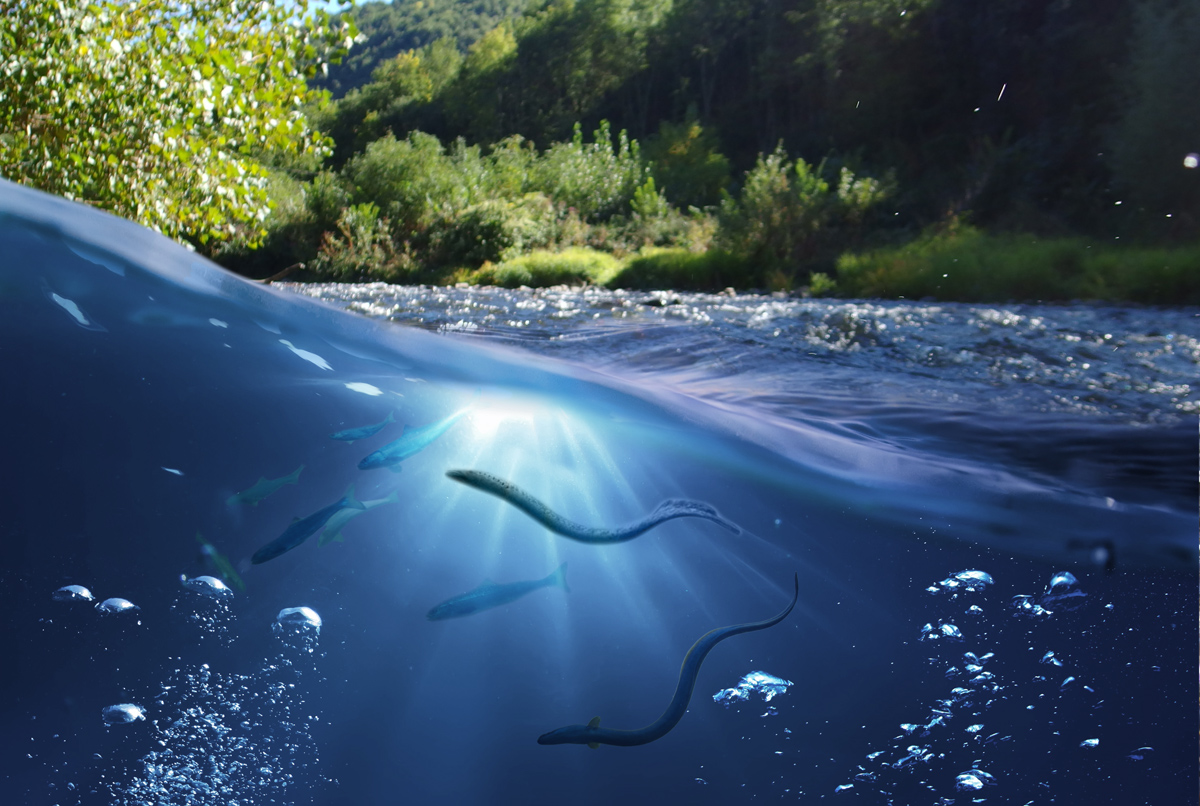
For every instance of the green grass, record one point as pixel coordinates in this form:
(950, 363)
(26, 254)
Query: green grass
(966, 265)
(683, 270)
(540, 268)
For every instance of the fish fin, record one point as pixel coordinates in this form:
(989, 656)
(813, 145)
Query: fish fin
(391, 417)
(593, 745)
(338, 538)
(395, 468)
(393, 498)
(487, 583)
(295, 475)
(349, 501)
(594, 722)
(406, 429)
(559, 577)
(295, 518)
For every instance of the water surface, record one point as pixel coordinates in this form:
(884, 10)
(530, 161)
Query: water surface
(996, 545)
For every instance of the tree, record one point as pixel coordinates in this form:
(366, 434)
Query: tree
(161, 110)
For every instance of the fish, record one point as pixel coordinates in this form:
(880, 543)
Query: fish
(593, 735)
(490, 594)
(262, 488)
(332, 532)
(671, 508)
(412, 441)
(304, 528)
(362, 432)
(219, 564)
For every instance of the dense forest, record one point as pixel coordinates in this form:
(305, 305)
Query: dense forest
(757, 143)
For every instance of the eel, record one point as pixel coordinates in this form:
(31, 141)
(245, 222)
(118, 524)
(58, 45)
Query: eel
(593, 735)
(667, 510)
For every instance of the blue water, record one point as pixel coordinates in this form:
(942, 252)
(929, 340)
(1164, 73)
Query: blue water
(878, 451)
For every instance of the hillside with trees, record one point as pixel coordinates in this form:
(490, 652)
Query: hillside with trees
(843, 146)
(387, 29)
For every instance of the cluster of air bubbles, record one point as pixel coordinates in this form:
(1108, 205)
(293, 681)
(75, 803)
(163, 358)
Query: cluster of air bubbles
(963, 582)
(1062, 593)
(222, 738)
(1024, 605)
(765, 685)
(204, 605)
(122, 714)
(973, 780)
(298, 628)
(943, 630)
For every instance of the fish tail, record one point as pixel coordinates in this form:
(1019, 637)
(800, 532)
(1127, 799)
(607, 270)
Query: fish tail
(559, 578)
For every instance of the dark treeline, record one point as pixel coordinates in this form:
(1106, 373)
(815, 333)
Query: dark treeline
(1017, 110)
(1046, 117)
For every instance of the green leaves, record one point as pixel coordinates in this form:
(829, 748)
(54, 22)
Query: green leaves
(158, 110)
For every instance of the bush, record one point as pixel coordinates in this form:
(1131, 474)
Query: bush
(686, 163)
(361, 249)
(598, 179)
(788, 215)
(684, 270)
(411, 180)
(492, 231)
(576, 266)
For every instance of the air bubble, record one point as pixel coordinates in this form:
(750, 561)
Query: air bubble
(116, 605)
(73, 593)
(122, 714)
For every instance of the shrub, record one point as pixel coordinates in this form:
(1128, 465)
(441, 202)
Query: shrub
(411, 180)
(361, 249)
(686, 163)
(541, 268)
(787, 214)
(492, 231)
(684, 270)
(598, 179)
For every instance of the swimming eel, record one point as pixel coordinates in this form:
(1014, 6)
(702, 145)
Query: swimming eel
(411, 441)
(671, 508)
(262, 488)
(304, 528)
(593, 735)
(362, 432)
(490, 594)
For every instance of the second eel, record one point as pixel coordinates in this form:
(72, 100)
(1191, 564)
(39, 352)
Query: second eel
(593, 735)
(667, 510)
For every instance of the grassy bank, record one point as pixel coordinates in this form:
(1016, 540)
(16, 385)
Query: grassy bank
(964, 264)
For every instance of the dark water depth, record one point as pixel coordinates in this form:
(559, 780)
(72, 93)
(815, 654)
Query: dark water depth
(995, 544)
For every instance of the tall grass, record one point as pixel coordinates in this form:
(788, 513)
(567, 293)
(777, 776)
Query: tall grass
(963, 264)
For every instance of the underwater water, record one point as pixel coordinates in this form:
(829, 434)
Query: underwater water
(234, 576)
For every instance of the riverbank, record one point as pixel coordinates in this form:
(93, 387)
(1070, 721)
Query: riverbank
(958, 265)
